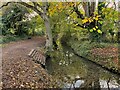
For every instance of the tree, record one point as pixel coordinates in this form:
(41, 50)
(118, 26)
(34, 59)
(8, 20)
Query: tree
(80, 14)
(42, 10)
(12, 19)
(85, 15)
(93, 17)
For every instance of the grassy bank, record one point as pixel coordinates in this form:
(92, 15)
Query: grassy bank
(10, 38)
(103, 53)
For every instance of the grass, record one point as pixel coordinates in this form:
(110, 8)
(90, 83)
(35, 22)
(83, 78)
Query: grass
(83, 47)
(10, 38)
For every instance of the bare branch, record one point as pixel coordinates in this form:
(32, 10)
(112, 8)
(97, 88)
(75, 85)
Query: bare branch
(115, 5)
(26, 5)
(5, 5)
(35, 3)
(45, 6)
(78, 12)
(107, 5)
(31, 7)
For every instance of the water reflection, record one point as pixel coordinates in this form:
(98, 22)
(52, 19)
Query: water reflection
(74, 72)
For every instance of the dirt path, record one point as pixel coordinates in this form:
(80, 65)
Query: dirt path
(23, 44)
(18, 69)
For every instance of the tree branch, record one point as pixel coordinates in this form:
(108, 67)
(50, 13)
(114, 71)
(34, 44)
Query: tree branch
(78, 12)
(115, 5)
(92, 8)
(82, 26)
(107, 5)
(31, 7)
(26, 5)
(5, 5)
(86, 7)
(35, 3)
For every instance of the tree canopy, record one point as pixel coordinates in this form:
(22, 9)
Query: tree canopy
(93, 18)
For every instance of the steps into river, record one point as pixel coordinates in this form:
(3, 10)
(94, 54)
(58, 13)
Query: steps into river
(37, 56)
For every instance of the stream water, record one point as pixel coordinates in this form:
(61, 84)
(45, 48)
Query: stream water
(71, 71)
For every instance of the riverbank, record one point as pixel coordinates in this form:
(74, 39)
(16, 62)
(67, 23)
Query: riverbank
(105, 54)
(71, 71)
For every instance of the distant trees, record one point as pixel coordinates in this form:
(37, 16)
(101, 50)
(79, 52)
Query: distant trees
(14, 20)
(98, 19)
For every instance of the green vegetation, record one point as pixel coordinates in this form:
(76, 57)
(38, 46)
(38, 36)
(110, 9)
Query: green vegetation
(91, 29)
(17, 24)
(7, 39)
(97, 28)
(99, 24)
(103, 53)
(13, 20)
(85, 26)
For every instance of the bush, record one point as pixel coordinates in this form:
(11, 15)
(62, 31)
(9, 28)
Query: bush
(8, 38)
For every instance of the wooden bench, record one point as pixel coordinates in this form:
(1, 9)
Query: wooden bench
(37, 56)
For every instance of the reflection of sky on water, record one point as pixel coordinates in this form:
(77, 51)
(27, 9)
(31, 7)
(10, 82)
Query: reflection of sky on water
(103, 84)
(112, 84)
(77, 84)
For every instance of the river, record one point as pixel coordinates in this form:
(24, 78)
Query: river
(71, 71)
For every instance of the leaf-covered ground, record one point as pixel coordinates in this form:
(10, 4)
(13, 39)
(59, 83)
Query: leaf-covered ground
(106, 54)
(19, 71)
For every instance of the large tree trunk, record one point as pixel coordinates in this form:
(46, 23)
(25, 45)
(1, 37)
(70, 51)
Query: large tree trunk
(86, 6)
(49, 39)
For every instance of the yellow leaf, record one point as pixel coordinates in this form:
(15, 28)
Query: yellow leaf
(96, 18)
(94, 28)
(91, 30)
(85, 20)
(99, 31)
(89, 19)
